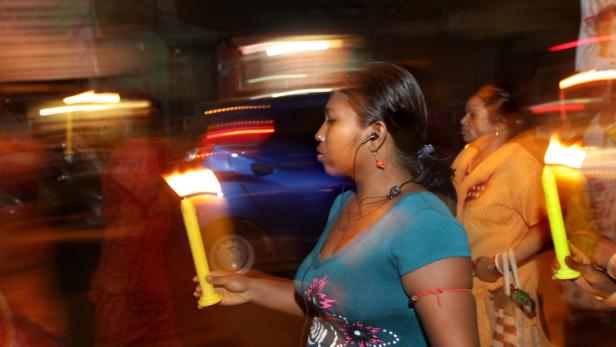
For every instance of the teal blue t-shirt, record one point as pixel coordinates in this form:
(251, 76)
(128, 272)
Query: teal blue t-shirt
(356, 295)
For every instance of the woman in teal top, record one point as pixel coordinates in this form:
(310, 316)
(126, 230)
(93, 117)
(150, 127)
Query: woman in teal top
(392, 266)
(356, 294)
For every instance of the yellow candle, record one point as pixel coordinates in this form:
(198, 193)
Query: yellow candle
(208, 295)
(557, 225)
(190, 183)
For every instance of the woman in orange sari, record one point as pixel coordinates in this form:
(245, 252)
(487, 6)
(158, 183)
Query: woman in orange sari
(500, 200)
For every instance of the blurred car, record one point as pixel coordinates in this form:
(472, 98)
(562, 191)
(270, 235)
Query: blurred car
(275, 194)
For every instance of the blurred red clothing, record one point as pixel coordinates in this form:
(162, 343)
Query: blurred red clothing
(130, 290)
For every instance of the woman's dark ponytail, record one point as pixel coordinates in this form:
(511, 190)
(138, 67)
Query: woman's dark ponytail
(434, 171)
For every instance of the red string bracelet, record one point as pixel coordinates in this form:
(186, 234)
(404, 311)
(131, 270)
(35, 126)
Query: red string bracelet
(416, 297)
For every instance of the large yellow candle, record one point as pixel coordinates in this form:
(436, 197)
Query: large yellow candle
(572, 157)
(557, 225)
(194, 183)
(208, 295)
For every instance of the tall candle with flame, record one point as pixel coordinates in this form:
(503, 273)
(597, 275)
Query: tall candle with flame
(559, 155)
(190, 185)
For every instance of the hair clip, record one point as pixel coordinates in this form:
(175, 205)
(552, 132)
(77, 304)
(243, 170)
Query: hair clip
(425, 150)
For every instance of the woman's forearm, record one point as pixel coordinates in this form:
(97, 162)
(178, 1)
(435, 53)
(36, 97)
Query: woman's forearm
(532, 243)
(274, 293)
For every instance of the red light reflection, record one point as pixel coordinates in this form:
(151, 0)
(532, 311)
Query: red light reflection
(241, 131)
(582, 42)
(556, 108)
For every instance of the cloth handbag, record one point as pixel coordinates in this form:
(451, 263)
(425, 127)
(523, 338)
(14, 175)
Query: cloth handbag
(512, 311)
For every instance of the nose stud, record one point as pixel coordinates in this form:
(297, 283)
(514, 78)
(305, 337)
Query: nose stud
(320, 137)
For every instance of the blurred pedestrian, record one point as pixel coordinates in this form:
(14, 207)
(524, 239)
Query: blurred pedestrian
(132, 298)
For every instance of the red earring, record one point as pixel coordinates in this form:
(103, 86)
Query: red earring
(378, 162)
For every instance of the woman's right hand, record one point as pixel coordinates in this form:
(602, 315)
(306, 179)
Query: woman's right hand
(485, 269)
(233, 288)
(257, 288)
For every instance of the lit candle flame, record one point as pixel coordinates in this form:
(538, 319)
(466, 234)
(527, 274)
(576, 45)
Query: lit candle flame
(197, 181)
(572, 156)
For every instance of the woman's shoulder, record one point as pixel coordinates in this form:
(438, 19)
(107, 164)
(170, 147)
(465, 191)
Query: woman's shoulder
(529, 144)
(425, 226)
(425, 206)
(518, 156)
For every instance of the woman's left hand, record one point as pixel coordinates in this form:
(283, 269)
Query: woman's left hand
(485, 269)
